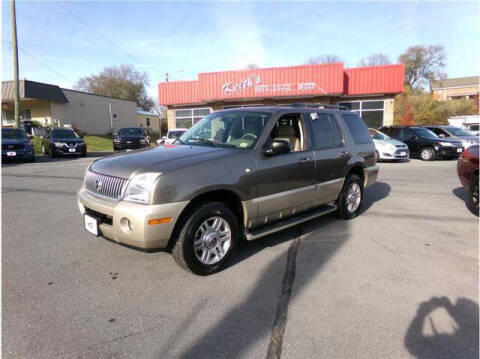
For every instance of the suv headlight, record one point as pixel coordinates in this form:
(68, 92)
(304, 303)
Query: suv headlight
(445, 144)
(58, 144)
(139, 187)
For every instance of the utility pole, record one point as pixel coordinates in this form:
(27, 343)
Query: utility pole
(15, 63)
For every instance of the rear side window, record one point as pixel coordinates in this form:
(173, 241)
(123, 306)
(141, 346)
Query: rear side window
(357, 127)
(325, 133)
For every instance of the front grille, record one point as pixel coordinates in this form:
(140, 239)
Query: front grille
(17, 146)
(401, 146)
(105, 186)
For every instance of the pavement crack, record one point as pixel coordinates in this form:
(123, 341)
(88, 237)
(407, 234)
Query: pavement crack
(278, 330)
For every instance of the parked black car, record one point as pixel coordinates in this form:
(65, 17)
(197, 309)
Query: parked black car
(131, 138)
(63, 141)
(16, 145)
(424, 143)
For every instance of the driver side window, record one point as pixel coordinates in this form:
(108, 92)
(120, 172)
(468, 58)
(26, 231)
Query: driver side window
(291, 129)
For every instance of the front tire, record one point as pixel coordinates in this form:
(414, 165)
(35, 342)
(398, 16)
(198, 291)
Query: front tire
(427, 154)
(350, 200)
(208, 237)
(473, 196)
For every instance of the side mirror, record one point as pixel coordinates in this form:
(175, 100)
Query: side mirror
(277, 147)
(81, 136)
(412, 137)
(441, 135)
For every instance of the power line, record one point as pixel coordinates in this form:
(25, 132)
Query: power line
(100, 34)
(40, 62)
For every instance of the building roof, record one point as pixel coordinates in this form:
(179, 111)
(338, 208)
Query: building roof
(284, 82)
(456, 82)
(33, 90)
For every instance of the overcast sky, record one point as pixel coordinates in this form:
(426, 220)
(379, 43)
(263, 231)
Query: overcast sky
(159, 37)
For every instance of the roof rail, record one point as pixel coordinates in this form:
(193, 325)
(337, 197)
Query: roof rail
(319, 105)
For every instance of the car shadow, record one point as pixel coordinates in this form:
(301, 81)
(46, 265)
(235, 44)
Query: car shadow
(442, 329)
(462, 193)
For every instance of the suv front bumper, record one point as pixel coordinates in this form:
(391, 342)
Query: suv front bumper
(127, 222)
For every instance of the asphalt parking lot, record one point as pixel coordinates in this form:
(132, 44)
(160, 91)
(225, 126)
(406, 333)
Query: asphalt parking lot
(399, 281)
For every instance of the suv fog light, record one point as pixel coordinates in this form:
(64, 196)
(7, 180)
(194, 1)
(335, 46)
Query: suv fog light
(125, 225)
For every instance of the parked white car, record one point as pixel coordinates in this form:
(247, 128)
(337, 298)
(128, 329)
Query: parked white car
(386, 148)
(171, 136)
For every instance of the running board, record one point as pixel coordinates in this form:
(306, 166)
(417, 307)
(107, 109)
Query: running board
(289, 222)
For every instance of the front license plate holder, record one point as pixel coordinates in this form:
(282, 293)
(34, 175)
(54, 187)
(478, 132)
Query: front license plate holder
(459, 150)
(91, 224)
(71, 150)
(11, 154)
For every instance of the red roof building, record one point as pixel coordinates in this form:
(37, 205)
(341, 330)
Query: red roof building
(366, 90)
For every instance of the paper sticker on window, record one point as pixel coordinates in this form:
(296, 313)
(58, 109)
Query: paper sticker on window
(314, 116)
(243, 144)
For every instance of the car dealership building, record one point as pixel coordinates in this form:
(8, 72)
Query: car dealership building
(369, 91)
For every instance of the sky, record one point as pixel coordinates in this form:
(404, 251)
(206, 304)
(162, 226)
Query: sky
(61, 42)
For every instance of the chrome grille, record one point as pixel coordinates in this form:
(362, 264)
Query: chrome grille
(105, 186)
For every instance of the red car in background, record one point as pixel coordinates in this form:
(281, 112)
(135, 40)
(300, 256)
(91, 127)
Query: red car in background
(467, 168)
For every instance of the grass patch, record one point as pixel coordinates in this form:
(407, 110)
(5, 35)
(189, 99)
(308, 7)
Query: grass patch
(99, 143)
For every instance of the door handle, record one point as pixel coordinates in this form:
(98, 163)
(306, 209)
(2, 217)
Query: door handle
(306, 160)
(344, 154)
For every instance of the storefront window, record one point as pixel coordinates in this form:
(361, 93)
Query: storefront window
(371, 111)
(188, 117)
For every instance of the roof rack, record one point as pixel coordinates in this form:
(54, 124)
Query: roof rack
(319, 105)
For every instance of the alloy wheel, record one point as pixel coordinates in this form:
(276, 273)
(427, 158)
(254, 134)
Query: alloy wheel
(427, 154)
(212, 240)
(354, 197)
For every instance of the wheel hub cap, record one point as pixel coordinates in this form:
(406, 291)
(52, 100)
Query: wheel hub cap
(354, 196)
(212, 240)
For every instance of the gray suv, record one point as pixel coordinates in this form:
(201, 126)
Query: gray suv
(238, 173)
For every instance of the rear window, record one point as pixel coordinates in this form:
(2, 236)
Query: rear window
(357, 128)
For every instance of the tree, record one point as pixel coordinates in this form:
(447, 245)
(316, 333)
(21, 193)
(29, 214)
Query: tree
(252, 67)
(122, 82)
(375, 60)
(324, 59)
(423, 64)
(161, 111)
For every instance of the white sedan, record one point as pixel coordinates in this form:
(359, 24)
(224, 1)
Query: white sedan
(386, 148)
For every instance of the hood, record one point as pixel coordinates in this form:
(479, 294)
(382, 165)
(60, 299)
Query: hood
(158, 159)
(71, 140)
(126, 137)
(390, 142)
(468, 138)
(14, 142)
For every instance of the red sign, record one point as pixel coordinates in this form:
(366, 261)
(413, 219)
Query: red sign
(294, 81)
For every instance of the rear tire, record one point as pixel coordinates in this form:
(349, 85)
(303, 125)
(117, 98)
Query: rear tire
(427, 154)
(473, 196)
(351, 198)
(203, 246)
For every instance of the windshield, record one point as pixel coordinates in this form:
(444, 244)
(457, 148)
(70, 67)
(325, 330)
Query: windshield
(130, 132)
(424, 133)
(175, 134)
(239, 129)
(458, 131)
(377, 135)
(13, 134)
(64, 134)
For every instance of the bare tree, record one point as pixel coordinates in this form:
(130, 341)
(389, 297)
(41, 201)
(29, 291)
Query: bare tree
(122, 82)
(252, 67)
(161, 111)
(375, 60)
(423, 64)
(324, 59)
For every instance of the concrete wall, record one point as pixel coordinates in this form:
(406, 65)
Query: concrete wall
(91, 114)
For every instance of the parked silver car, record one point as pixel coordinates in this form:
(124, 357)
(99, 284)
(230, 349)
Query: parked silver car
(386, 148)
(454, 133)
